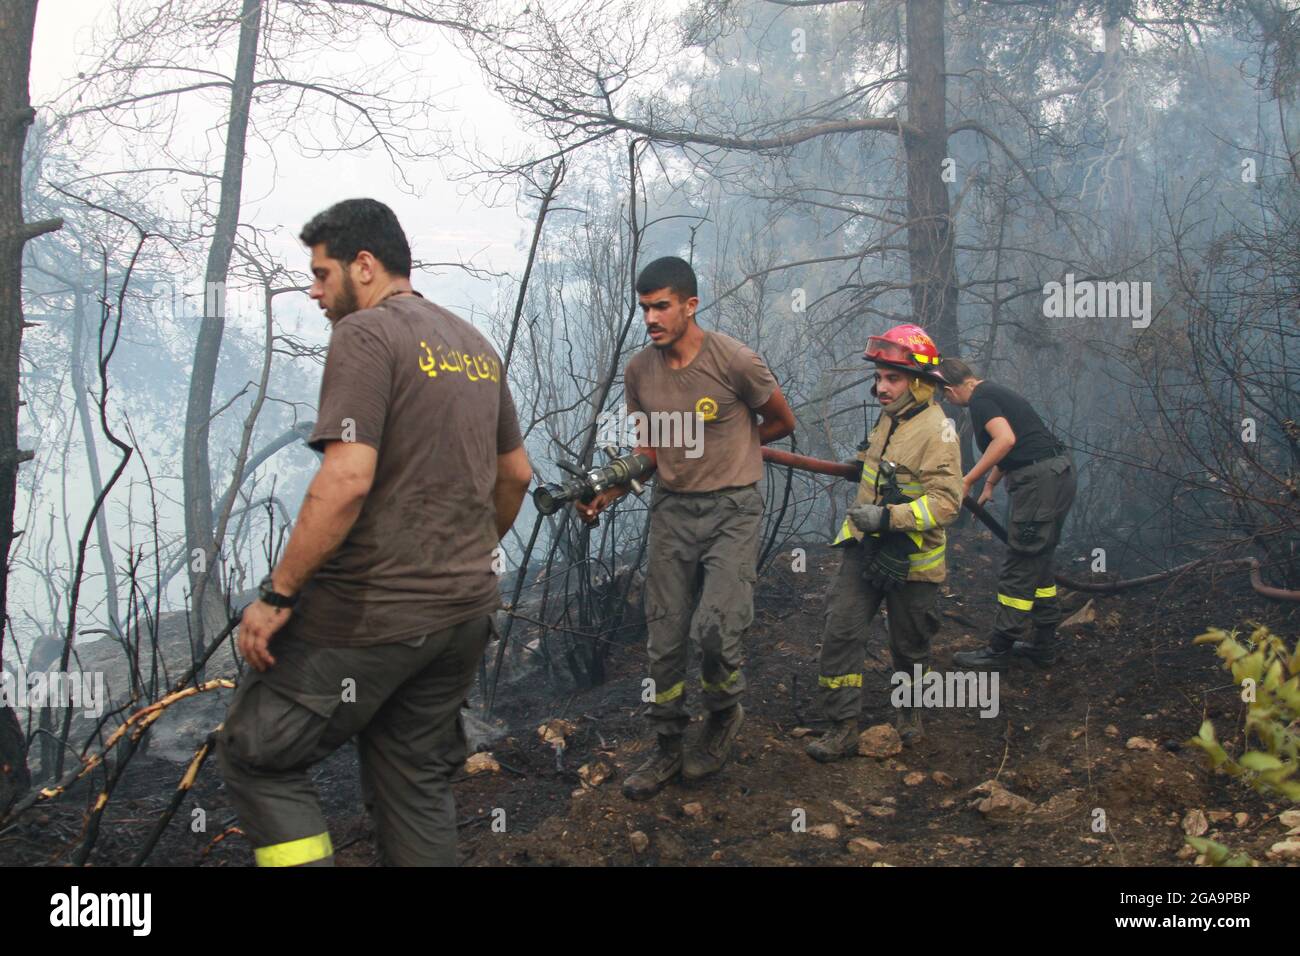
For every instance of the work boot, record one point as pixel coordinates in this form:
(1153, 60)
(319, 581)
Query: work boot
(837, 743)
(986, 658)
(1041, 650)
(711, 751)
(907, 721)
(662, 766)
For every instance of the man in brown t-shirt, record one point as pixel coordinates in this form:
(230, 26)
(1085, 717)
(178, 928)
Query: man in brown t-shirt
(702, 404)
(384, 599)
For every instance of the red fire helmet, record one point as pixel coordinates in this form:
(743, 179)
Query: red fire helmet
(908, 349)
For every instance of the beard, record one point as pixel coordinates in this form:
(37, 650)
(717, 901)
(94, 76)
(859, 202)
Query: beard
(898, 404)
(347, 301)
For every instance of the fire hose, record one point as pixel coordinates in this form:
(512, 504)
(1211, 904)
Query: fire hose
(852, 470)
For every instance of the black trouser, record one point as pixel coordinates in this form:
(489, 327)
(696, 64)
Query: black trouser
(1041, 495)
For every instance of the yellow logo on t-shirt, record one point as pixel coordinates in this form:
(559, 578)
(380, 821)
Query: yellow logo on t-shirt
(477, 368)
(706, 408)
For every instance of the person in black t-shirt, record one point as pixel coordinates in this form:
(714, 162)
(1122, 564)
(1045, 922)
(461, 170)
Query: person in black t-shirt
(1031, 440)
(1015, 444)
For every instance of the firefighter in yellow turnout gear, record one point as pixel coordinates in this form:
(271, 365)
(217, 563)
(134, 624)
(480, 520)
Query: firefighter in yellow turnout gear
(893, 541)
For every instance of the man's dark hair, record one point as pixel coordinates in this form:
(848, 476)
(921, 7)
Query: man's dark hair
(669, 272)
(352, 225)
(955, 371)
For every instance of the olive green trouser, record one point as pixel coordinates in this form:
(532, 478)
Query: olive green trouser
(850, 607)
(401, 700)
(1041, 495)
(699, 586)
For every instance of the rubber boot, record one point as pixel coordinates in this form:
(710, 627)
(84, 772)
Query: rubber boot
(659, 768)
(986, 658)
(837, 743)
(907, 721)
(710, 753)
(1041, 650)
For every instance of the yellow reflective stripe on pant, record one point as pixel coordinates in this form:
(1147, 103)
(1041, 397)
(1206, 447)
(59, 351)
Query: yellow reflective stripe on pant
(295, 852)
(843, 680)
(1020, 604)
(731, 679)
(905, 679)
(672, 693)
(1045, 592)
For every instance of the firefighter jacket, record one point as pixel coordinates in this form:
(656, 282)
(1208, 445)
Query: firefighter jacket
(922, 442)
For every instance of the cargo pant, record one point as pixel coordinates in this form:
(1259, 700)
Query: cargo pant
(850, 607)
(401, 700)
(1041, 495)
(699, 586)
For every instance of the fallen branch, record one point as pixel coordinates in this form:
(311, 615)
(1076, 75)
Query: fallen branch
(137, 725)
(182, 788)
(1109, 587)
(142, 719)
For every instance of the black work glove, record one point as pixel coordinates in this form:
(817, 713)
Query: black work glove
(888, 567)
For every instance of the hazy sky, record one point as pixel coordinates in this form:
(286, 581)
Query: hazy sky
(446, 223)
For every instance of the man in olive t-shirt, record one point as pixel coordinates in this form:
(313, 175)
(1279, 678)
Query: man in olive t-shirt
(717, 393)
(383, 601)
(702, 403)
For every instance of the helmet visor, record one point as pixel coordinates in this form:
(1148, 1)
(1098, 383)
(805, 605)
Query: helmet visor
(880, 349)
(883, 350)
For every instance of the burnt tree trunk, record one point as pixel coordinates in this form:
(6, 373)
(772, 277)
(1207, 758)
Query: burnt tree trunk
(1116, 181)
(17, 21)
(206, 605)
(930, 234)
(81, 394)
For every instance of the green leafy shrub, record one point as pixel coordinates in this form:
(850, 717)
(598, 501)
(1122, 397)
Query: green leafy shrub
(1216, 854)
(1268, 673)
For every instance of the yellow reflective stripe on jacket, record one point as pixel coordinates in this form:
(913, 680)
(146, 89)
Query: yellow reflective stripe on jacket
(910, 487)
(672, 693)
(920, 561)
(843, 680)
(921, 510)
(844, 535)
(1020, 604)
(927, 559)
(930, 521)
(731, 679)
(295, 852)
(1049, 591)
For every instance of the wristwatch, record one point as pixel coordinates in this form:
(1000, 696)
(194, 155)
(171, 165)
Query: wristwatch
(266, 592)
